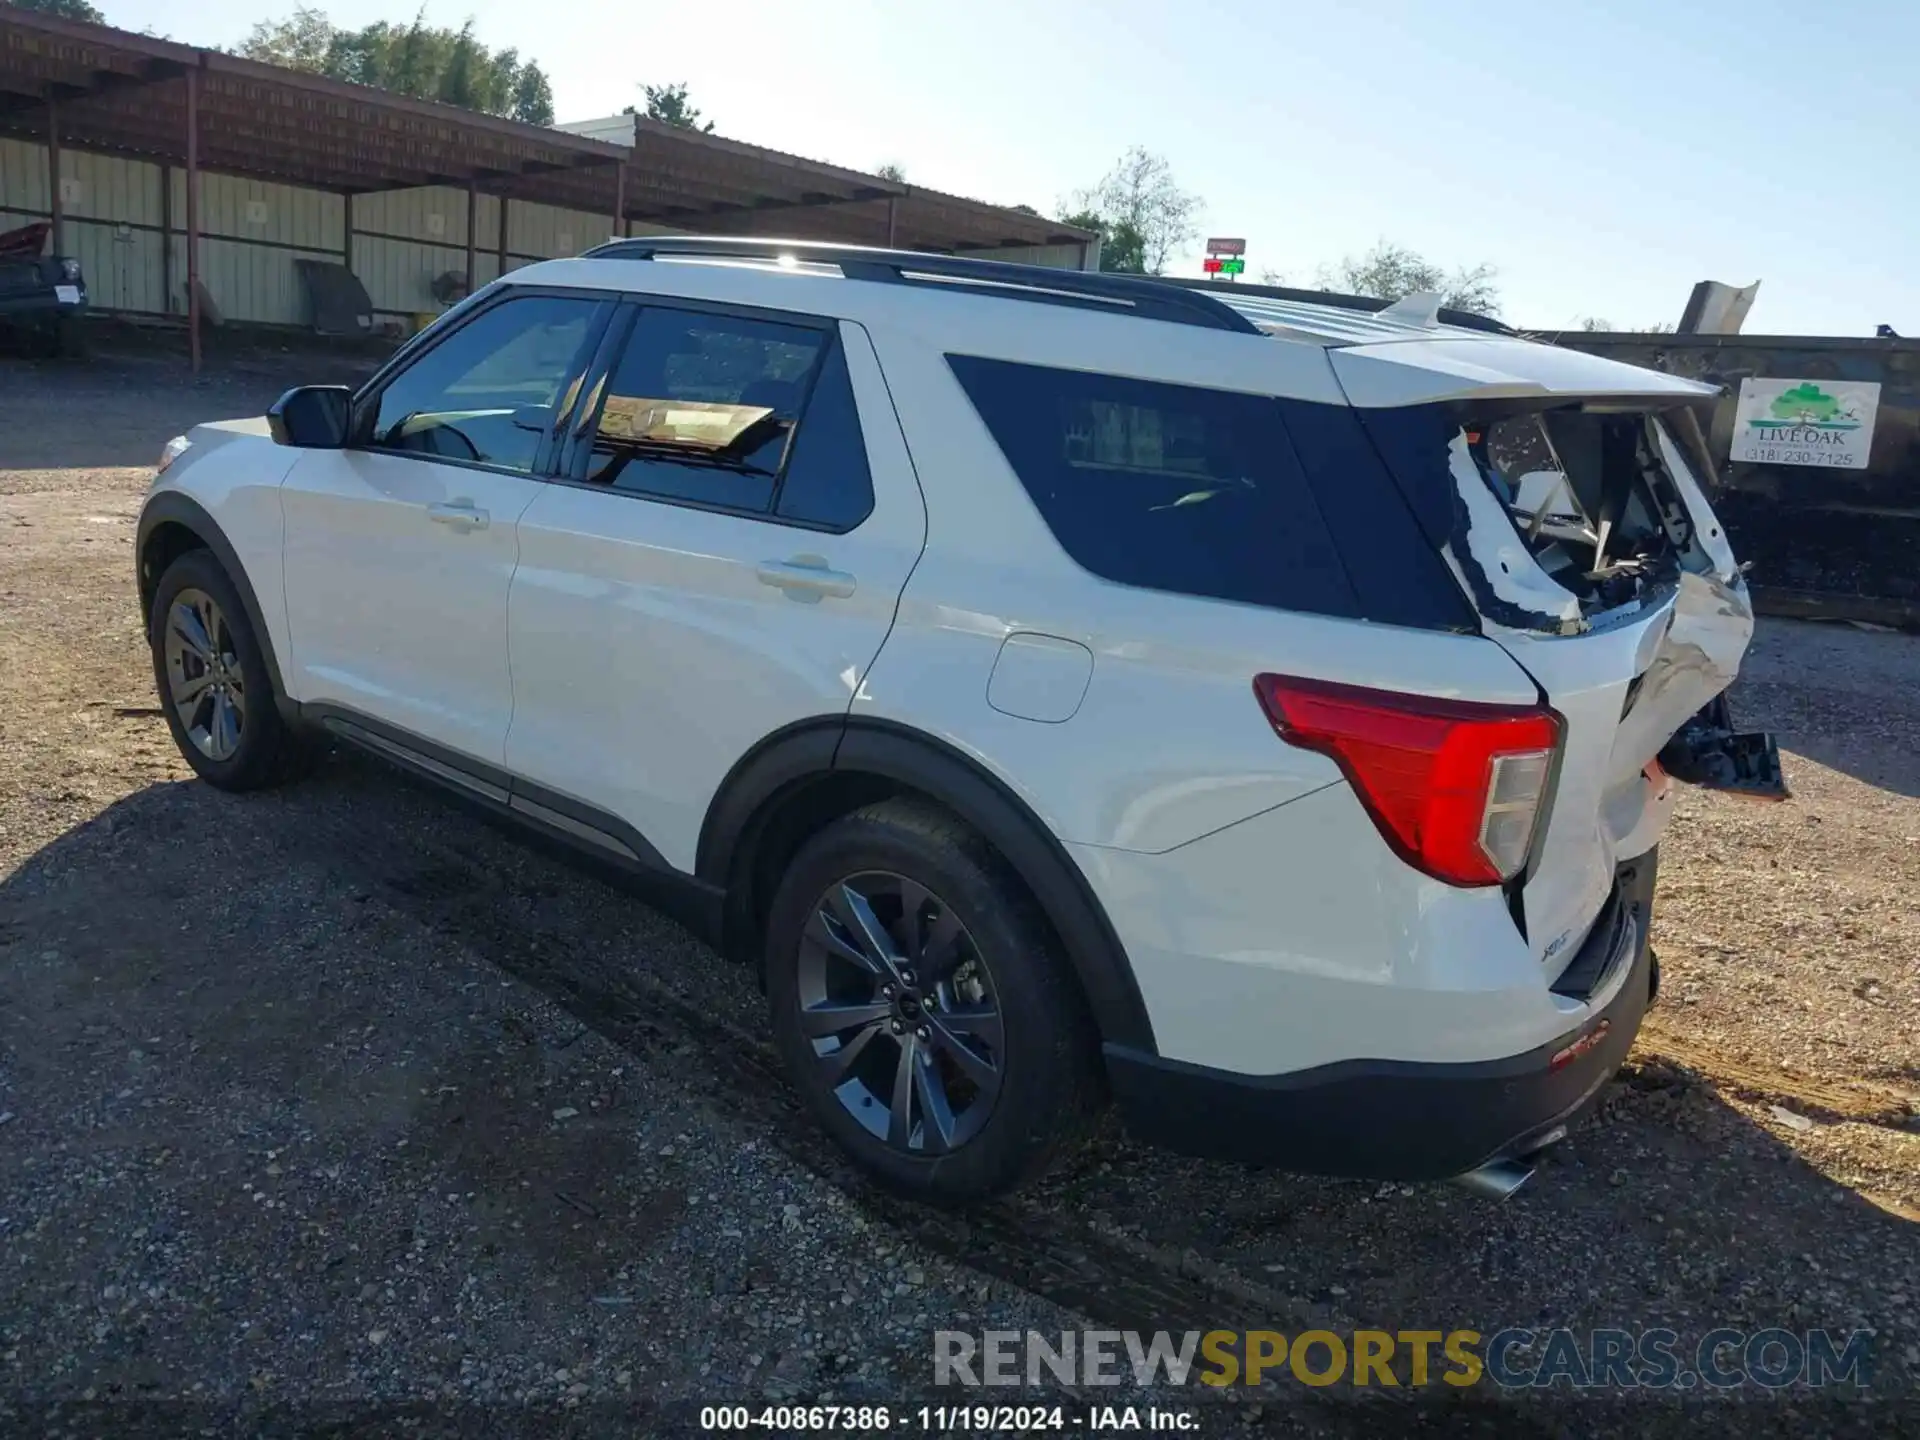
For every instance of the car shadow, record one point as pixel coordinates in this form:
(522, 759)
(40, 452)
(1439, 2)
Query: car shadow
(191, 972)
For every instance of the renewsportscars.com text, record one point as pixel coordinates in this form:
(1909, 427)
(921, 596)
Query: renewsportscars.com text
(1652, 1359)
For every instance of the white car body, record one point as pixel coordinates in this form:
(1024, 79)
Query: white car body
(611, 667)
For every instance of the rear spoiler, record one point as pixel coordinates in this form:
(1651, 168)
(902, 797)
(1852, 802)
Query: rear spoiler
(1425, 371)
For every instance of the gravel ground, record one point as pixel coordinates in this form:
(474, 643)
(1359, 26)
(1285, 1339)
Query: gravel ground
(339, 1107)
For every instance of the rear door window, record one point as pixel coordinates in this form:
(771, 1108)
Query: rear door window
(1168, 487)
(706, 408)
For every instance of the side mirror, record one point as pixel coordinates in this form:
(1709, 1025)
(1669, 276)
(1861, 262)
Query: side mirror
(312, 417)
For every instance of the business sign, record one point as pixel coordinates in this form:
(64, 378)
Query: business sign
(1232, 265)
(1226, 247)
(1827, 423)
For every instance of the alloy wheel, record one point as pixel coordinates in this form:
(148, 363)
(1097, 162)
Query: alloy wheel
(900, 1010)
(204, 682)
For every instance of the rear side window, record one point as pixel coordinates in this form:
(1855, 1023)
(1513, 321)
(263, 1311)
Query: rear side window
(827, 482)
(1169, 487)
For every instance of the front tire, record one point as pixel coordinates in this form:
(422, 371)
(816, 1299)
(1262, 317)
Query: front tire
(213, 682)
(922, 1008)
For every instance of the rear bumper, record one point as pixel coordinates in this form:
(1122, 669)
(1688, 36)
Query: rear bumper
(1410, 1120)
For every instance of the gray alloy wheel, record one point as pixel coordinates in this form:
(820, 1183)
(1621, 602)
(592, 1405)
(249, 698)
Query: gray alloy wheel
(204, 682)
(897, 1004)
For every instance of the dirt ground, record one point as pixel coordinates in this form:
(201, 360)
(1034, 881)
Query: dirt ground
(337, 1108)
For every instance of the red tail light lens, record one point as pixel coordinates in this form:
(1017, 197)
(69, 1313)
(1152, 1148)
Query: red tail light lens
(1456, 787)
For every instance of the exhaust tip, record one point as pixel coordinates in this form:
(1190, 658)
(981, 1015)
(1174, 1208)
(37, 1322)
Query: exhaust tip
(1495, 1180)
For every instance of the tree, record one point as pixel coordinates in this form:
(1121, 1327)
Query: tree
(892, 171)
(303, 41)
(669, 105)
(418, 59)
(66, 9)
(1123, 248)
(1392, 272)
(459, 82)
(532, 96)
(1594, 323)
(1141, 213)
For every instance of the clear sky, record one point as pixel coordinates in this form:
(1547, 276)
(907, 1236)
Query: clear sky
(1601, 156)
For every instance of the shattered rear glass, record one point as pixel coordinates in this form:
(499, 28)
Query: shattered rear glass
(1590, 492)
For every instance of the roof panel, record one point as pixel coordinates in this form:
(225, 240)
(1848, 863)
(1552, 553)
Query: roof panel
(1331, 323)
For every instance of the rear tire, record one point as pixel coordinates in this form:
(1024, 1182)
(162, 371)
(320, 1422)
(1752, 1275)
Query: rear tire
(213, 682)
(922, 1008)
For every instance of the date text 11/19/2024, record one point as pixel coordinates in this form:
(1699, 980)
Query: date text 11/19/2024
(946, 1419)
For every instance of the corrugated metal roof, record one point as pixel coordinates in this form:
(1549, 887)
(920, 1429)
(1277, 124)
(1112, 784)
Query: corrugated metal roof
(1332, 324)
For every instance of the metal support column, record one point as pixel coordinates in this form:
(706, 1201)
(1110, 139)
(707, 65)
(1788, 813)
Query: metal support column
(56, 206)
(193, 218)
(620, 200)
(501, 239)
(346, 231)
(166, 240)
(473, 218)
(893, 207)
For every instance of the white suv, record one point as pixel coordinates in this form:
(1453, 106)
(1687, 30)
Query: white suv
(1249, 706)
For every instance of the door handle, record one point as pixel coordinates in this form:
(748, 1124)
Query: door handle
(805, 577)
(461, 514)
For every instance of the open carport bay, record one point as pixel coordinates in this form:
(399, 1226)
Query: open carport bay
(337, 1098)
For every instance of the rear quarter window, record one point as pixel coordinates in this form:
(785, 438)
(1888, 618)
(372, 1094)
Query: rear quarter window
(1167, 487)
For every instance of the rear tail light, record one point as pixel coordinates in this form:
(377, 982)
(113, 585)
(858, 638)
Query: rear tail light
(1455, 787)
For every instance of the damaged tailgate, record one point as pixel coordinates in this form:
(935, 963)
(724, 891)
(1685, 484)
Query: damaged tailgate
(1559, 488)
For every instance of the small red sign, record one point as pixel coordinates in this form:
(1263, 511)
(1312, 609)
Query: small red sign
(1210, 265)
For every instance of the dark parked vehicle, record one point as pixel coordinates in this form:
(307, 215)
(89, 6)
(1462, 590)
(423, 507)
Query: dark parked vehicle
(41, 296)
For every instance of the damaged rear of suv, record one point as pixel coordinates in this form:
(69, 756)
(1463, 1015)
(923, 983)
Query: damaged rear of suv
(1564, 495)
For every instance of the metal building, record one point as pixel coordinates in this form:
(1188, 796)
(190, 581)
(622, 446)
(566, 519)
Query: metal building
(161, 164)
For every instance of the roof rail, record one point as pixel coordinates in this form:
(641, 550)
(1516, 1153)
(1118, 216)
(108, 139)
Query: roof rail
(1140, 296)
(1465, 319)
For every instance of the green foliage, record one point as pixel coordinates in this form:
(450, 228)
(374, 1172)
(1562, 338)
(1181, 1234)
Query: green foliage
(1141, 214)
(66, 9)
(1123, 249)
(669, 105)
(1393, 272)
(426, 61)
(1596, 323)
(891, 171)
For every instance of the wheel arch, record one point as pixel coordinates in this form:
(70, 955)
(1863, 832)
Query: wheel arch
(172, 524)
(809, 774)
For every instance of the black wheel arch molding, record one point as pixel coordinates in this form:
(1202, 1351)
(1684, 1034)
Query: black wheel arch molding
(172, 507)
(777, 774)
